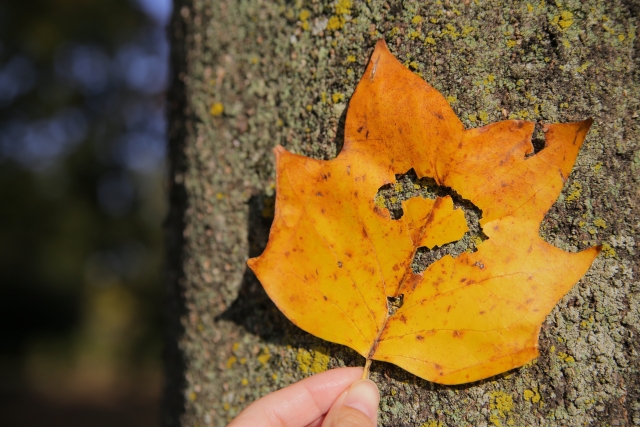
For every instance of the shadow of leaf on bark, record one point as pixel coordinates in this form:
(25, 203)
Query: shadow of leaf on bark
(252, 309)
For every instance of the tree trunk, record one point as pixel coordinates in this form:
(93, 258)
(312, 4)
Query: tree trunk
(251, 74)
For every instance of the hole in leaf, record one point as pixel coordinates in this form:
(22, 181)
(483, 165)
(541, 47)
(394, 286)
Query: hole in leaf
(407, 186)
(538, 140)
(394, 303)
(538, 145)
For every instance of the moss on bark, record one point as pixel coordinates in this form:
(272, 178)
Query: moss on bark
(254, 73)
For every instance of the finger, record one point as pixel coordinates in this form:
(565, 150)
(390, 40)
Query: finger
(357, 407)
(299, 404)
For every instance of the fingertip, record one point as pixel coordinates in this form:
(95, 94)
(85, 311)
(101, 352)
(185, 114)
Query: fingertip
(356, 407)
(364, 396)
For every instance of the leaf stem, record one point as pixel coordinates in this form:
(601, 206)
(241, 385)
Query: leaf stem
(365, 373)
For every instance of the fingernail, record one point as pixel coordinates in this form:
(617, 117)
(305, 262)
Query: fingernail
(364, 396)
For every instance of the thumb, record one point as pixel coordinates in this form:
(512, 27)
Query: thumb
(357, 407)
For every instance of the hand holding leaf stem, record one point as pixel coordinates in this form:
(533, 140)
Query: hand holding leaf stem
(335, 398)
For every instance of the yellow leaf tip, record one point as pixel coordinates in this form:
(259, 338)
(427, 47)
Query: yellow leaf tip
(252, 262)
(381, 44)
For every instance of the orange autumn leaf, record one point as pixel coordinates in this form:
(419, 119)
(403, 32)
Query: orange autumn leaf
(334, 256)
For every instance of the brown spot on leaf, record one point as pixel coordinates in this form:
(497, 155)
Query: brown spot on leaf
(479, 264)
(382, 213)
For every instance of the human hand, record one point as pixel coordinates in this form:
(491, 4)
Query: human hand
(335, 398)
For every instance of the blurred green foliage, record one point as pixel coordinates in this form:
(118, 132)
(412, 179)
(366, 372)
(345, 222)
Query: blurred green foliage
(81, 203)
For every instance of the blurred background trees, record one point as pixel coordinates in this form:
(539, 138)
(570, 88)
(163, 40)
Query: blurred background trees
(82, 147)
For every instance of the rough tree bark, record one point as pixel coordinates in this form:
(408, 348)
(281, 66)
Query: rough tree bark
(254, 73)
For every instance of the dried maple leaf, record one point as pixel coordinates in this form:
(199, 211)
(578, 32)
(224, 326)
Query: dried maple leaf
(334, 257)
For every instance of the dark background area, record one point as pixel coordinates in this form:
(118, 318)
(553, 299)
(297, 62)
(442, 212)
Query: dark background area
(82, 176)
